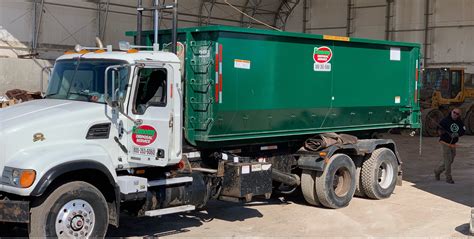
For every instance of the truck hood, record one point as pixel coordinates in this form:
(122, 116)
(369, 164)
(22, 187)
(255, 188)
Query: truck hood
(47, 110)
(58, 120)
(22, 112)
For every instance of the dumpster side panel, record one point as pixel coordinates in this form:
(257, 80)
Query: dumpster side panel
(246, 85)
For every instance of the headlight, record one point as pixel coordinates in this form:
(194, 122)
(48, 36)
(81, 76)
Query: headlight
(15, 179)
(22, 178)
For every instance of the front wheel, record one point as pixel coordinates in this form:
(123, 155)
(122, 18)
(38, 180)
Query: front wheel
(75, 209)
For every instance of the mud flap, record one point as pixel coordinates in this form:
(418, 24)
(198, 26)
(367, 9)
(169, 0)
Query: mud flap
(14, 211)
(399, 176)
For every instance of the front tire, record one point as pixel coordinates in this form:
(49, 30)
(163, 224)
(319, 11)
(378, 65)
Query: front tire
(335, 187)
(379, 174)
(75, 209)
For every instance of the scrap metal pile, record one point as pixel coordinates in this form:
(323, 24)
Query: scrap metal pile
(17, 96)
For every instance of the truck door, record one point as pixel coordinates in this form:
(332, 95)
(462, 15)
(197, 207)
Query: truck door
(150, 103)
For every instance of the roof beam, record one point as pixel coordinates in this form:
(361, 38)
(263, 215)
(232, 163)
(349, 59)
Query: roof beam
(284, 11)
(250, 8)
(205, 12)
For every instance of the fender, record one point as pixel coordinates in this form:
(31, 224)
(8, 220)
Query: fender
(43, 158)
(61, 169)
(315, 162)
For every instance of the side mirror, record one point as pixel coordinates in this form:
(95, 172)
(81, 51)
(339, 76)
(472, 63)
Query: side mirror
(113, 96)
(111, 99)
(47, 69)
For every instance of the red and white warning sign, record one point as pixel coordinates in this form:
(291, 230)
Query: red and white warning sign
(322, 57)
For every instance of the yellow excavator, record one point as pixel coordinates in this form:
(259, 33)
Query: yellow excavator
(442, 90)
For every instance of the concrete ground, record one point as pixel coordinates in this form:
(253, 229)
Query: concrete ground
(422, 207)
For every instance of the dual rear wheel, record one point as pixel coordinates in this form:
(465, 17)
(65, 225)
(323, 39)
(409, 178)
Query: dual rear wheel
(333, 188)
(337, 184)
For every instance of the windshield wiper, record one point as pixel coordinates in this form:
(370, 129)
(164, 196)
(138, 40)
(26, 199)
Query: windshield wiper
(82, 93)
(50, 95)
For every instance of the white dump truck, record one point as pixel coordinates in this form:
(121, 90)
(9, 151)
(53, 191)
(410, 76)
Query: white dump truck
(148, 133)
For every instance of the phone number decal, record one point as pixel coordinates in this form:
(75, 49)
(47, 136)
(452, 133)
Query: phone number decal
(144, 151)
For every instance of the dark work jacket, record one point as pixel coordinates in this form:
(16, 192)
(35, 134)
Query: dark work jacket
(449, 126)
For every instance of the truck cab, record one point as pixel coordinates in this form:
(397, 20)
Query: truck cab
(104, 112)
(74, 114)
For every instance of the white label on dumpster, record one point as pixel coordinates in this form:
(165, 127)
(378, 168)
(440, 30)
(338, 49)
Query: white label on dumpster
(246, 169)
(322, 66)
(397, 99)
(266, 167)
(395, 54)
(242, 64)
(256, 167)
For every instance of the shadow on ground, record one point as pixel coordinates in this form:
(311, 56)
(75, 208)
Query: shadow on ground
(181, 223)
(13, 230)
(166, 225)
(464, 229)
(419, 170)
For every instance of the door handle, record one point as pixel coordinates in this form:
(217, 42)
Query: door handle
(124, 149)
(170, 124)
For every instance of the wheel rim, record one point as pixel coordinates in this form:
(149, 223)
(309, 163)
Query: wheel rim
(75, 219)
(342, 182)
(385, 175)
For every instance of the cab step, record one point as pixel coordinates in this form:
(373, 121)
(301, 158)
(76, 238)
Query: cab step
(170, 210)
(170, 181)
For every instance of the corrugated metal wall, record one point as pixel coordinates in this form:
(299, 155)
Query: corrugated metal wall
(449, 36)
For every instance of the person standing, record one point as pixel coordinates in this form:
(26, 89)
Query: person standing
(450, 129)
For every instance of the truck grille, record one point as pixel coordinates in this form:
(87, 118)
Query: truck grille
(7, 172)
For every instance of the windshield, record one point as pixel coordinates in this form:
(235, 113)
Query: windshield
(83, 80)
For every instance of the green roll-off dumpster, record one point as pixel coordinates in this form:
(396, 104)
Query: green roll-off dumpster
(243, 84)
(289, 99)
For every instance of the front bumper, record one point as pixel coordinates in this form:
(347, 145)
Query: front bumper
(14, 211)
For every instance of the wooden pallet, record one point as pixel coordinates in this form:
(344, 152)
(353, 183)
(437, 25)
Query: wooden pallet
(7, 103)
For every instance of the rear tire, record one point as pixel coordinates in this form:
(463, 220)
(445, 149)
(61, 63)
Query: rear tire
(308, 188)
(379, 174)
(335, 187)
(75, 209)
(359, 192)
